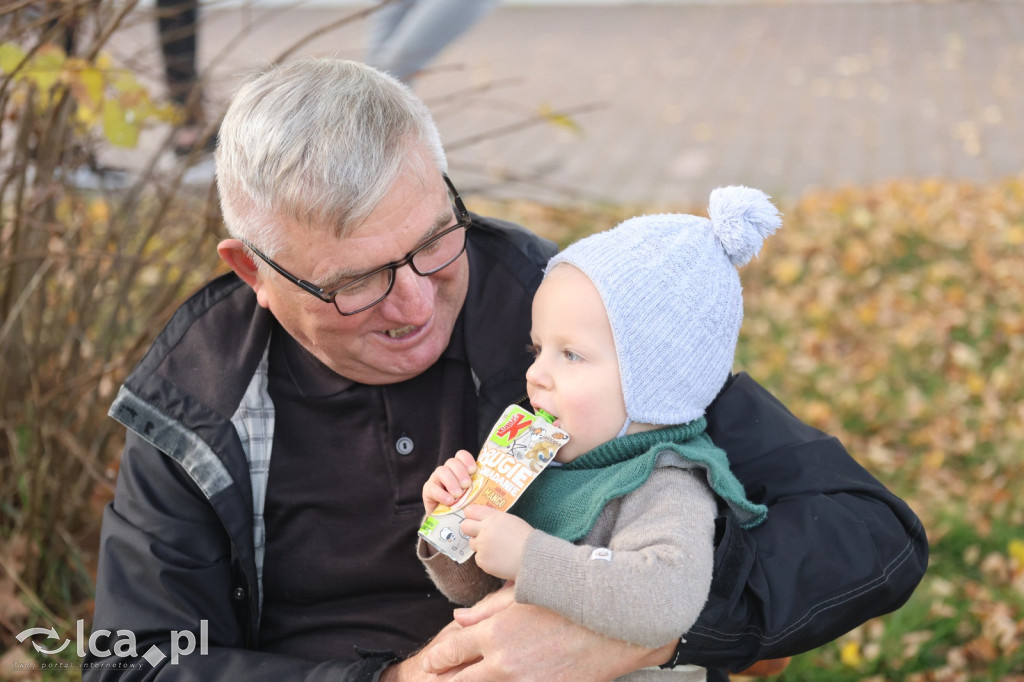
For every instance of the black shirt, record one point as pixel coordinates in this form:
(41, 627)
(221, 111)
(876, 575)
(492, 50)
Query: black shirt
(344, 503)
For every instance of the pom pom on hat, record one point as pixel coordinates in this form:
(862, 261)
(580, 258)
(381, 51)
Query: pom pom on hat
(673, 298)
(741, 218)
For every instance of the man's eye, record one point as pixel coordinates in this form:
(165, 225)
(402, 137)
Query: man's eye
(430, 247)
(361, 284)
(356, 287)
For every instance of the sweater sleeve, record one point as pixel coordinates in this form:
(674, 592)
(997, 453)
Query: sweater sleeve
(651, 581)
(464, 584)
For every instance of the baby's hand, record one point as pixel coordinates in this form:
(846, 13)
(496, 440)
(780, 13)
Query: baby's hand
(449, 481)
(498, 538)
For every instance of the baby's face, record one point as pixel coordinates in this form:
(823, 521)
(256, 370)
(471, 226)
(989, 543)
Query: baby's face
(576, 373)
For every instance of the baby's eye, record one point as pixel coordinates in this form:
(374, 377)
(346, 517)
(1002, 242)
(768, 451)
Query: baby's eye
(533, 349)
(571, 356)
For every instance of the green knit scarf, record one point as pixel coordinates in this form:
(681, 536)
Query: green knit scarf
(565, 501)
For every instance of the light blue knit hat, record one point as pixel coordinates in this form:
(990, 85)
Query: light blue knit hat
(673, 297)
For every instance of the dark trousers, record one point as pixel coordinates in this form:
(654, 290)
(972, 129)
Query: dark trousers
(177, 21)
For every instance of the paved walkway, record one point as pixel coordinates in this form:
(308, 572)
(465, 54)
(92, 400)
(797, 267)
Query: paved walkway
(669, 101)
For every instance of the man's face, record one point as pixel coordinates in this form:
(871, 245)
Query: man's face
(403, 335)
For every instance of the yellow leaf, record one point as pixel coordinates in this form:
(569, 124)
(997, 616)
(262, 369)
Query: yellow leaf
(10, 57)
(46, 66)
(975, 383)
(855, 257)
(168, 113)
(557, 119)
(867, 313)
(99, 210)
(1016, 551)
(850, 656)
(787, 270)
(934, 460)
(817, 412)
(87, 86)
(87, 115)
(124, 81)
(118, 124)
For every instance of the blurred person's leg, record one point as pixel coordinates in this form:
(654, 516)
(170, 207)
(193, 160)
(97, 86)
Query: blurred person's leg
(178, 23)
(383, 24)
(407, 34)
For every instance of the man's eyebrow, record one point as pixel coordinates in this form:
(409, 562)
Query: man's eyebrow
(339, 278)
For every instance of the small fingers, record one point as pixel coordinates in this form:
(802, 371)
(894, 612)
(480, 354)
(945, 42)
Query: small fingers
(470, 529)
(479, 512)
(450, 484)
(467, 460)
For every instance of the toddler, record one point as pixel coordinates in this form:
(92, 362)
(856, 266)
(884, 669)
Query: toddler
(634, 331)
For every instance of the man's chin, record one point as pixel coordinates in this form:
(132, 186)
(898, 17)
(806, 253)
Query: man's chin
(400, 360)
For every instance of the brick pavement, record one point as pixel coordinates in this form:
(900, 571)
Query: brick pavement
(680, 98)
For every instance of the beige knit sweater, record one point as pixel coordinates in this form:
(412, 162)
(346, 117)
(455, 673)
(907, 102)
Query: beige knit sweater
(641, 575)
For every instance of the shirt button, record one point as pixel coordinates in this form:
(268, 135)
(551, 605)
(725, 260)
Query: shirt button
(404, 445)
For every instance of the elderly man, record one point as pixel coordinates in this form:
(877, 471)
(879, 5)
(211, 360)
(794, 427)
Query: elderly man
(281, 427)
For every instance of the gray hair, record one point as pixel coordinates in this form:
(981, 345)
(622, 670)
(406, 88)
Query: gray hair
(317, 142)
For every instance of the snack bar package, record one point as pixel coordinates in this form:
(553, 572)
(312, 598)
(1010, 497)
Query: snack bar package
(520, 445)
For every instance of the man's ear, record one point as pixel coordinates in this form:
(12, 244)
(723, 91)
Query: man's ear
(234, 253)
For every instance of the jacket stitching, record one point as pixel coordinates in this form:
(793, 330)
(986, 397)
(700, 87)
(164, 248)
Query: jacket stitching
(838, 600)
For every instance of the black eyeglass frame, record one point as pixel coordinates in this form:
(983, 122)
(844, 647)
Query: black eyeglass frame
(464, 221)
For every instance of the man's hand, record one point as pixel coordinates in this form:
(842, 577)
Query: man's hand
(497, 538)
(501, 641)
(415, 668)
(411, 670)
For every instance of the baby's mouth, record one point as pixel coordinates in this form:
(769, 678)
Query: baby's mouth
(544, 414)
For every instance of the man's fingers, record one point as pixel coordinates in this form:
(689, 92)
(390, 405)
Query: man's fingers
(486, 607)
(451, 650)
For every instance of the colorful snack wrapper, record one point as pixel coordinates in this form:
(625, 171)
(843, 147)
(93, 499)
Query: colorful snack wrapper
(518, 448)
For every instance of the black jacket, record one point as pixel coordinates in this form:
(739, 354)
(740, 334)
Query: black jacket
(177, 542)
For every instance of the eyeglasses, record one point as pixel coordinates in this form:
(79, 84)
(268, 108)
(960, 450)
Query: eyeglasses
(366, 291)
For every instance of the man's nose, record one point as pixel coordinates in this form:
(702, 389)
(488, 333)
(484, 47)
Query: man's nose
(412, 295)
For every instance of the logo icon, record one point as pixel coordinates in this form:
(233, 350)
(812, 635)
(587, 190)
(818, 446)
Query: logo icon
(52, 634)
(183, 643)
